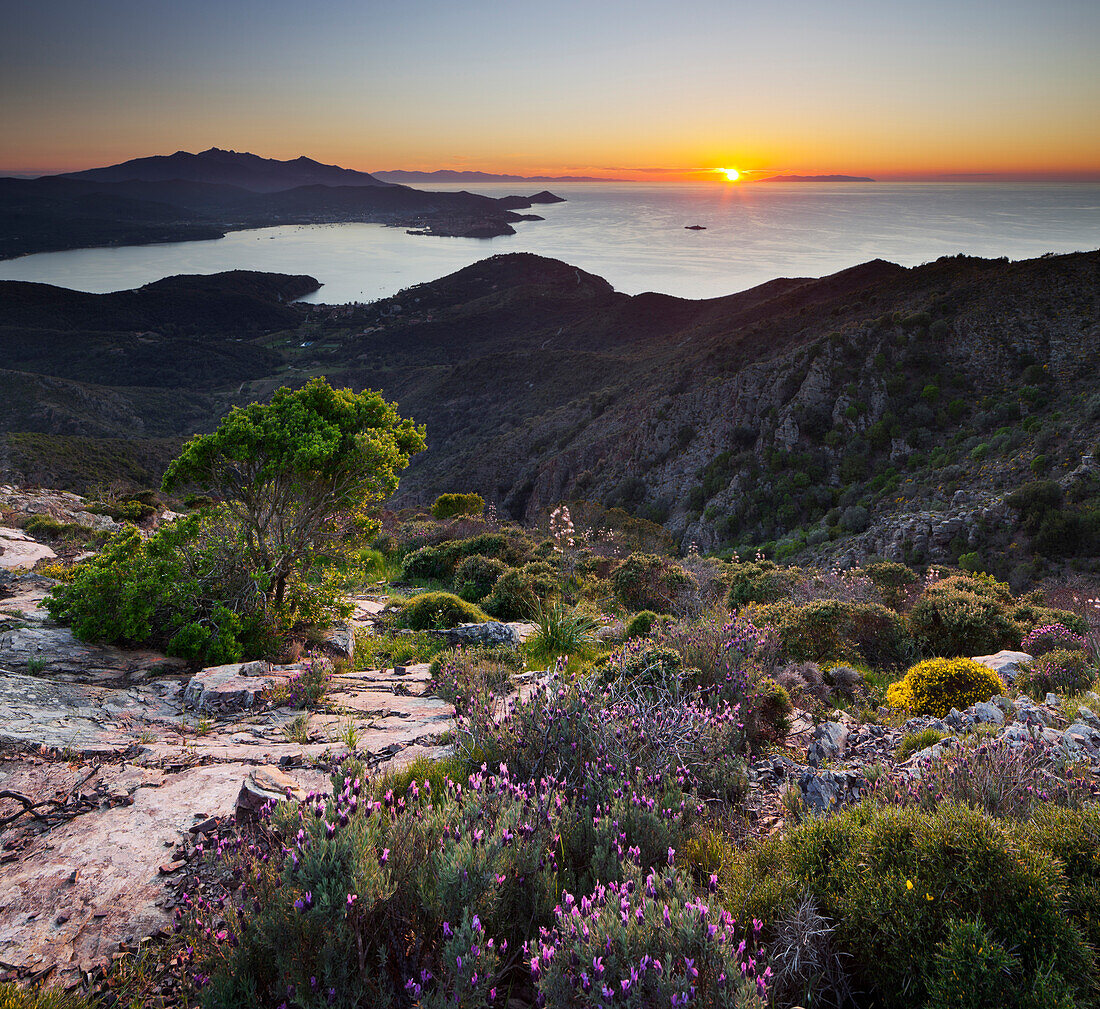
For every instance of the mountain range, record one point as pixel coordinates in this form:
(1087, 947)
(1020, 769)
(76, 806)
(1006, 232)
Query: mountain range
(880, 409)
(184, 197)
(228, 168)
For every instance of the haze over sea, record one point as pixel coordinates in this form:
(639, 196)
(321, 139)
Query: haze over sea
(633, 234)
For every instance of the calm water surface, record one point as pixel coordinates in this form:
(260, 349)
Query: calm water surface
(633, 235)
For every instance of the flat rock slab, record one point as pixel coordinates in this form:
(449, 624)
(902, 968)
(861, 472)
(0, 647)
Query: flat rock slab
(18, 550)
(88, 884)
(25, 602)
(386, 702)
(84, 718)
(61, 656)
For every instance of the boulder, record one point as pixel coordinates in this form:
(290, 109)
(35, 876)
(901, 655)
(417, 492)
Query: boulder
(266, 784)
(234, 686)
(1080, 737)
(1005, 664)
(824, 792)
(491, 633)
(985, 712)
(830, 741)
(339, 641)
(1087, 716)
(1029, 713)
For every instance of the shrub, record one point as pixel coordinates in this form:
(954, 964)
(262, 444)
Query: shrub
(437, 610)
(642, 661)
(914, 742)
(834, 629)
(855, 519)
(1049, 637)
(646, 941)
(1002, 779)
(475, 577)
(892, 880)
(935, 686)
(123, 511)
(518, 592)
(891, 579)
(431, 562)
(1061, 672)
(649, 582)
(187, 589)
(1071, 833)
(461, 675)
(449, 505)
(560, 630)
(759, 581)
(639, 625)
(964, 615)
(345, 883)
(14, 997)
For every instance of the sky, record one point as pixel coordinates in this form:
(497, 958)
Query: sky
(954, 89)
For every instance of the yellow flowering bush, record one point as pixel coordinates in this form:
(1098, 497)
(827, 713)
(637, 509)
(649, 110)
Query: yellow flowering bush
(935, 686)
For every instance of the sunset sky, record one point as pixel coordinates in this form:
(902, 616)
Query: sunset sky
(639, 90)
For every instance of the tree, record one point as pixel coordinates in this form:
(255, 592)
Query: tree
(301, 474)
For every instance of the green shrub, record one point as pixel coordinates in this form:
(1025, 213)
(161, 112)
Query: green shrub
(437, 610)
(518, 591)
(649, 582)
(447, 506)
(432, 562)
(438, 561)
(759, 582)
(1062, 671)
(893, 880)
(187, 589)
(835, 629)
(1072, 836)
(964, 615)
(47, 527)
(642, 661)
(970, 970)
(935, 686)
(914, 742)
(463, 675)
(475, 577)
(891, 579)
(771, 714)
(560, 630)
(640, 624)
(123, 511)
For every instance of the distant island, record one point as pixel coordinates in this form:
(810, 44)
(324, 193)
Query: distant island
(187, 197)
(815, 178)
(450, 175)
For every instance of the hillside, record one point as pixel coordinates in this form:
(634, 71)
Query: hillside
(880, 410)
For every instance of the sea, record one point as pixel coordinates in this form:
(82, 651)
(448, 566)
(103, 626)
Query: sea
(636, 236)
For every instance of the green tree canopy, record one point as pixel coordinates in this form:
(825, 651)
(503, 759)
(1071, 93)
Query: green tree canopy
(301, 473)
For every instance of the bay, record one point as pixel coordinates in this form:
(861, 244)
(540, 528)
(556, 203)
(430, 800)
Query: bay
(634, 235)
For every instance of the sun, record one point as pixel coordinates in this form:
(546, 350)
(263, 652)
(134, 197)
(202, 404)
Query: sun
(731, 174)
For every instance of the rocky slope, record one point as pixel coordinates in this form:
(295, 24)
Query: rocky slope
(880, 410)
